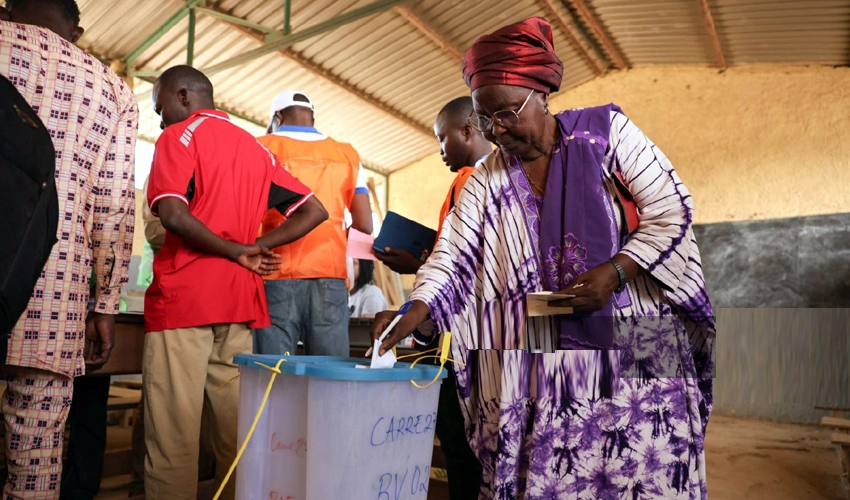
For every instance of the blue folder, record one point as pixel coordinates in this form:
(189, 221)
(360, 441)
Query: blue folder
(401, 233)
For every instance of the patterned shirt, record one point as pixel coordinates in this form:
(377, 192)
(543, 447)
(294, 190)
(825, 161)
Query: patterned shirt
(92, 116)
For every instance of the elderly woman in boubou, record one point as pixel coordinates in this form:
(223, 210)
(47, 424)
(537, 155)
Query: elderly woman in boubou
(611, 401)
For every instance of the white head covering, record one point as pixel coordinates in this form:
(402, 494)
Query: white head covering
(286, 99)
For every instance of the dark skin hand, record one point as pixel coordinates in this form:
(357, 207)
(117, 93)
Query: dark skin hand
(100, 338)
(594, 288)
(400, 261)
(177, 219)
(414, 316)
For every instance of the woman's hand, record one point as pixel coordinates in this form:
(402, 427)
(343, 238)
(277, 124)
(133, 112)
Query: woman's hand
(595, 287)
(591, 289)
(417, 314)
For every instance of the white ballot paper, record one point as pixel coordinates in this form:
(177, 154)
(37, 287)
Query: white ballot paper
(385, 361)
(538, 304)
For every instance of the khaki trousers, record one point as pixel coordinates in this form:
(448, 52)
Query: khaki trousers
(182, 369)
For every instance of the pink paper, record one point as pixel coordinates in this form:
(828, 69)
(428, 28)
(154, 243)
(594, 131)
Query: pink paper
(360, 245)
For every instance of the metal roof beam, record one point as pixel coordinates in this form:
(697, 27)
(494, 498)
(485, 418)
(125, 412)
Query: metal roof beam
(162, 30)
(287, 17)
(261, 33)
(280, 41)
(610, 49)
(235, 20)
(582, 45)
(190, 44)
(428, 32)
(712, 33)
(362, 94)
(318, 70)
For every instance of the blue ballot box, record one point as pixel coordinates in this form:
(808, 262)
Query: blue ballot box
(333, 430)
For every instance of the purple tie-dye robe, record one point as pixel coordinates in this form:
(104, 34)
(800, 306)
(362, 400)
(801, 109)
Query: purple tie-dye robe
(535, 416)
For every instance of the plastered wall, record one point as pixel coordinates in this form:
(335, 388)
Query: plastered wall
(753, 142)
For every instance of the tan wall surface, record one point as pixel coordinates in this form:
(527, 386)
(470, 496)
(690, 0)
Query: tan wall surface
(418, 191)
(753, 142)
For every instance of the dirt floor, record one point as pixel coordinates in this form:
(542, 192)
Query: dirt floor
(757, 459)
(746, 459)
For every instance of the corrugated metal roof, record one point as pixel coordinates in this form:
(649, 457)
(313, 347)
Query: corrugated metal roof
(810, 31)
(657, 31)
(378, 82)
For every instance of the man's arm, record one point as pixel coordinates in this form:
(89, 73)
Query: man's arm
(112, 236)
(114, 215)
(361, 213)
(176, 218)
(302, 211)
(360, 208)
(154, 232)
(308, 214)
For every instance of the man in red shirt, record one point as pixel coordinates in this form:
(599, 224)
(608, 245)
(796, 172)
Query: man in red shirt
(210, 184)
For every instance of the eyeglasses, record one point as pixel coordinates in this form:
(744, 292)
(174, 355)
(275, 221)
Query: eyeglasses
(506, 118)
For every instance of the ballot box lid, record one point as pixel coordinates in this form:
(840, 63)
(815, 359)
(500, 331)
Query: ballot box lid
(340, 368)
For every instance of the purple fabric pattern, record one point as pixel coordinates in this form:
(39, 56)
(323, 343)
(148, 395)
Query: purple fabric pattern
(577, 230)
(565, 263)
(554, 424)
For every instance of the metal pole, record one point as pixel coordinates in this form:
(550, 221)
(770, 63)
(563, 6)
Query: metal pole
(162, 30)
(287, 9)
(190, 47)
(304, 34)
(234, 20)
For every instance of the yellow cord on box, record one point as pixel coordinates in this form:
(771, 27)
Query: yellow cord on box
(237, 375)
(443, 357)
(275, 371)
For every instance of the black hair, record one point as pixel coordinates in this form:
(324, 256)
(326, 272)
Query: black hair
(457, 111)
(69, 8)
(186, 77)
(367, 273)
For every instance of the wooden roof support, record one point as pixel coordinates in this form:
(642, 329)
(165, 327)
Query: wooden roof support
(318, 70)
(591, 21)
(712, 33)
(580, 43)
(428, 32)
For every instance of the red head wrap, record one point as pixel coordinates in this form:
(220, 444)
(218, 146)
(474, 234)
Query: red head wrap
(520, 54)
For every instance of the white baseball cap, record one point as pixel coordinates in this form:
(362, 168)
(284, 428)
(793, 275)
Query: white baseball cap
(286, 99)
